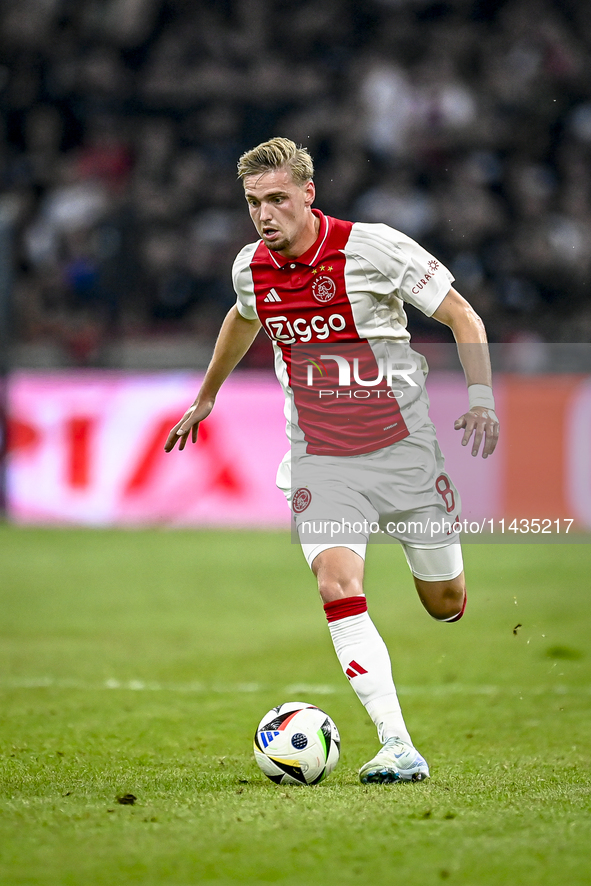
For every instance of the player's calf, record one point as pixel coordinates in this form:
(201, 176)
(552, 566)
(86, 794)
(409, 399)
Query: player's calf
(459, 614)
(443, 600)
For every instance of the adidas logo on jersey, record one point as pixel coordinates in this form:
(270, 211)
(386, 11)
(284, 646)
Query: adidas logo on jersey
(271, 296)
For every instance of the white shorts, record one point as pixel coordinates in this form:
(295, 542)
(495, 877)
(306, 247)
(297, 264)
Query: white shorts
(400, 492)
(429, 562)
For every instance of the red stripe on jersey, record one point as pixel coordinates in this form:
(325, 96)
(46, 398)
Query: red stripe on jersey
(337, 609)
(307, 312)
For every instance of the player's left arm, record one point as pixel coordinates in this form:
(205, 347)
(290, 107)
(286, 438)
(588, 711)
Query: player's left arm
(468, 329)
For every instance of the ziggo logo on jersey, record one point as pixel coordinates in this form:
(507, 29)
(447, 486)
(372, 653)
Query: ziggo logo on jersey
(288, 333)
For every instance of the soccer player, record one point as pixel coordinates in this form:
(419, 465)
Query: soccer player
(363, 456)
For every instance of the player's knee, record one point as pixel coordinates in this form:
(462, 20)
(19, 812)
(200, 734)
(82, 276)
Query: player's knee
(332, 587)
(339, 572)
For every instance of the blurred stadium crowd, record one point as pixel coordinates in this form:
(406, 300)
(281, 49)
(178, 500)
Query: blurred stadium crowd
(464, 123)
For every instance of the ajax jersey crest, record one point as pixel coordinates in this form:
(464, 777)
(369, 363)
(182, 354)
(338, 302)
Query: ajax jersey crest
(324, 289)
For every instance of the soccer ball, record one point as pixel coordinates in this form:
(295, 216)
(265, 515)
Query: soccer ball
(296, 743)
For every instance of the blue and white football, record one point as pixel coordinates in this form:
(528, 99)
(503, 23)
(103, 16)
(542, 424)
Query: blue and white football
(297, 743)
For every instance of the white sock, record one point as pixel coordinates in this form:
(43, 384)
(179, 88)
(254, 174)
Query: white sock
(365, 660)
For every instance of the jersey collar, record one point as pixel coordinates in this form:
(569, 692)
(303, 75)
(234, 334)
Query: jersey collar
(311, 256)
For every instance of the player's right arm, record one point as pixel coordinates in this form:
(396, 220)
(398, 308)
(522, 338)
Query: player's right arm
(236, 336)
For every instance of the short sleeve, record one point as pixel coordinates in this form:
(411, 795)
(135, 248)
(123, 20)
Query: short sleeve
(425, 281)
(243, 283)
(401, 266)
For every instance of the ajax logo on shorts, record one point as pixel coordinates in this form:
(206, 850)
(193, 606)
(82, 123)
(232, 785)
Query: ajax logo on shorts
(323, 289)
(301, 499)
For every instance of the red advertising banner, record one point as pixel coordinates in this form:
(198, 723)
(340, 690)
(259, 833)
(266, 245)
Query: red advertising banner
(87, 448)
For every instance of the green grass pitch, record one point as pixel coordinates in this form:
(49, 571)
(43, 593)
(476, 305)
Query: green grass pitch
(140, 663)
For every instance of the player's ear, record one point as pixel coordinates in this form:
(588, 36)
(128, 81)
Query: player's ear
(310, 190)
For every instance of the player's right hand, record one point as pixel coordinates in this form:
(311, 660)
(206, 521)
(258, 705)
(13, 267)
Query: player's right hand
(189, 424)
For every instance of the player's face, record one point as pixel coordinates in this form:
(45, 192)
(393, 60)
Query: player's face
(280, 210)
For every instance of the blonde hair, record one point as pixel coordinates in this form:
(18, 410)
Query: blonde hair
(277, 153)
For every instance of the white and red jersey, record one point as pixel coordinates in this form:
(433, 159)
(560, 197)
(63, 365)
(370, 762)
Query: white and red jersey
(335, 316)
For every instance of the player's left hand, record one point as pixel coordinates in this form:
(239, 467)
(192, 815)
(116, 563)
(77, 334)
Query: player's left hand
(484, 424)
